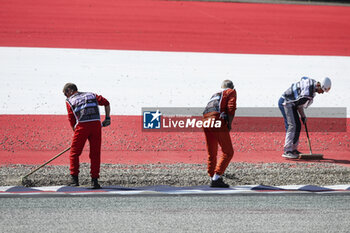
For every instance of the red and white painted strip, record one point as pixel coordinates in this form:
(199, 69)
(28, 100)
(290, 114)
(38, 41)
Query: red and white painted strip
(59, 191)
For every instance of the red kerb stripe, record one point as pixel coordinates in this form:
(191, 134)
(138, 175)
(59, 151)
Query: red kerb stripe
(177, 26)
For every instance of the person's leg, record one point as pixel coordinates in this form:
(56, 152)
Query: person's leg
(95, 148)
(225, 143)
(78, 142)
(291, 130)
(281, 107)
(224, 140)
(212, 149)
(297, 130)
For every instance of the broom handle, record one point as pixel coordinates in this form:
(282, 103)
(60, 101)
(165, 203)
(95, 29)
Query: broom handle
(46, 163)
(308, 138)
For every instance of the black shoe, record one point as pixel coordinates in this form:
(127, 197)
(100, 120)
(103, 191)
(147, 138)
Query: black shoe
(95, 184)
(296, 152)
(219, 183)
(290, 155)
(74, 181)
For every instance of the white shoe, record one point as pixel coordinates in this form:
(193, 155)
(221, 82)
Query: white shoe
(290, 155)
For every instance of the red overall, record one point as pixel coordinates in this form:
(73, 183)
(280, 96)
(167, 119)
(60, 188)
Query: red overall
(86, 130)
(226, 102)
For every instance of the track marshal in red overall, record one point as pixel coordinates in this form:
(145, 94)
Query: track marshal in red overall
(221, 106)
(84, 117)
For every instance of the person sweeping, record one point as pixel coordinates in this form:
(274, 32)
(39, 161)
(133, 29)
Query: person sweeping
(294, 100)
(84, 117)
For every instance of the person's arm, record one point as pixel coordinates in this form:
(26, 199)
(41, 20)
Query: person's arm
(104, 102)
(107, 120)
(301, 105)
(229, 122)
(107, 111)
(302, 113)
(231, 107)
(71, 117)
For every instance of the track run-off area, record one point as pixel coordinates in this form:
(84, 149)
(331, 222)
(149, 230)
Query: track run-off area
(165, 54)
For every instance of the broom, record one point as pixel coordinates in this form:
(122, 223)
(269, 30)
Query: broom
(311, 155)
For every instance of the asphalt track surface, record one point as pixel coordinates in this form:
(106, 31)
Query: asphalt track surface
(238, 213)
